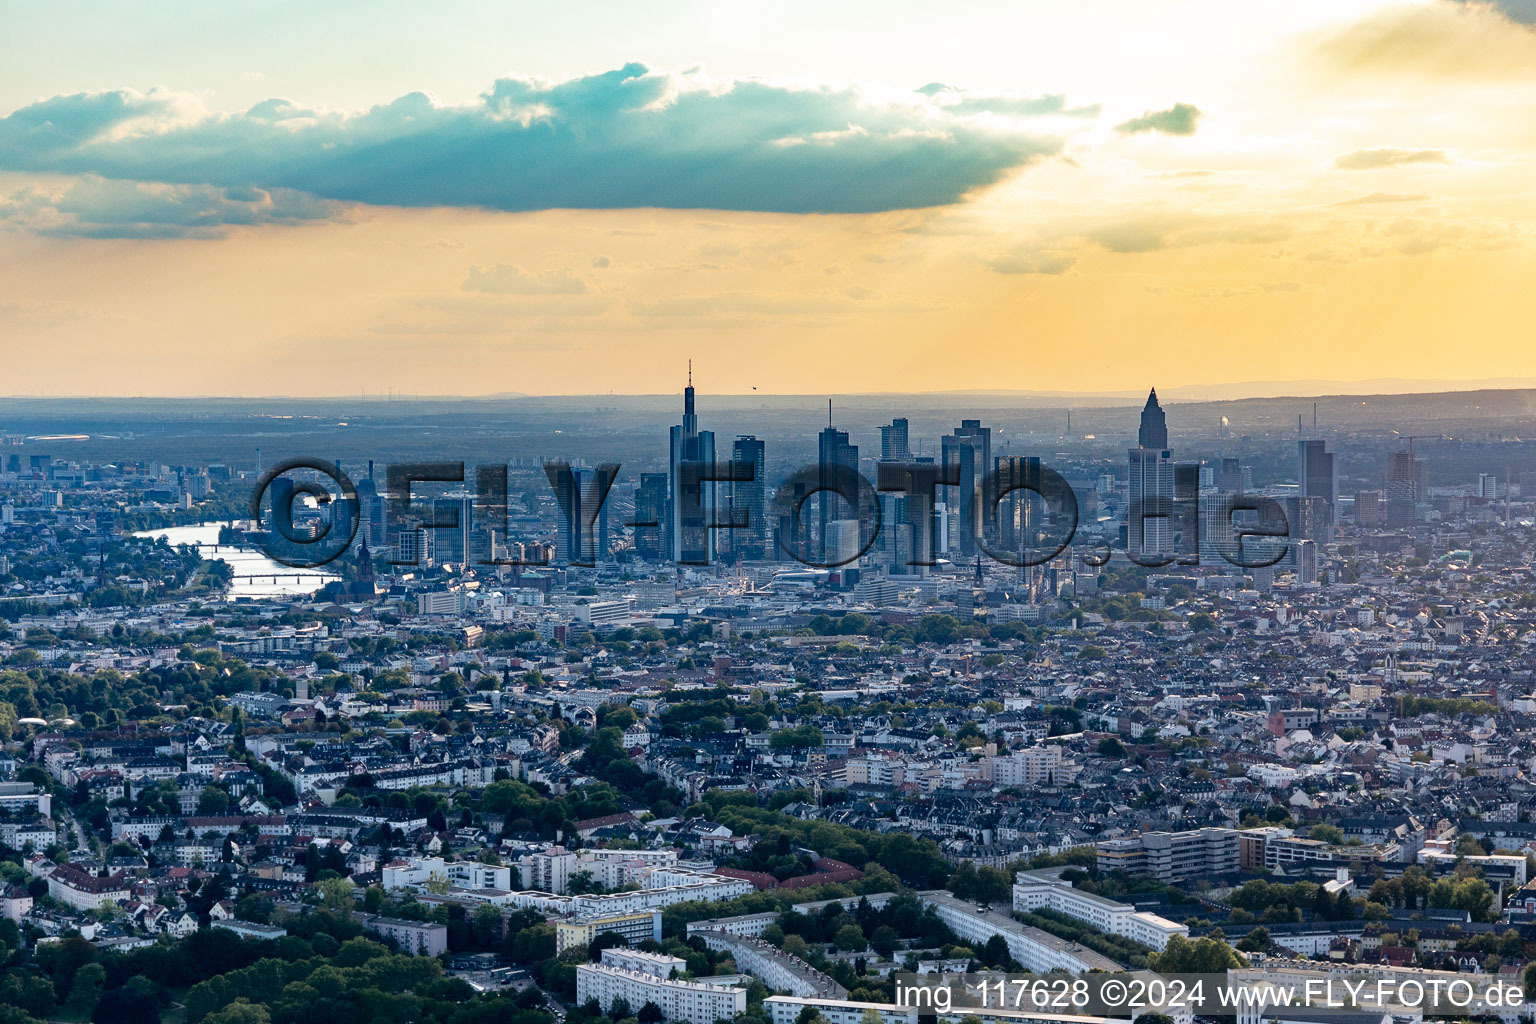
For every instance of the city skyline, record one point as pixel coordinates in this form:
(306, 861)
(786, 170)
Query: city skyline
(709, 512)
(1332, 191)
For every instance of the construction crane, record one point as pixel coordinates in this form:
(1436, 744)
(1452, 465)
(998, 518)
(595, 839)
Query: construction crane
(1421, 437)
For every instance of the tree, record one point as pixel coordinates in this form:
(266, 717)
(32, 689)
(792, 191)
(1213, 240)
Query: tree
(86, 989)
(131, 1004)
(1201, 956)
(799, 737)
(650, 1013)
(212, 800)
(884, 940)
(1468, 846)
(1255, 941)
(604, 940)
(530, 945)
(336, 894)
(1110, 747)
(850, 938)
(241, 1011)
(486, 924)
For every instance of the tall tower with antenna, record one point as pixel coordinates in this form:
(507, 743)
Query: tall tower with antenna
(688, 528)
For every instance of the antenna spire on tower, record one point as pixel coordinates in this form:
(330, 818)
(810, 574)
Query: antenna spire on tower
(690, 373)
(829, 413)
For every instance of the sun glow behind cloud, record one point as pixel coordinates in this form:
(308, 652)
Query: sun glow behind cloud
(1034, 197)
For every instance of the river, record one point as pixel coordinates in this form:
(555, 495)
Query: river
(256, 568)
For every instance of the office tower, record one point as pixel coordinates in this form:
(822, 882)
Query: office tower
(1011, 503)
(340, 514)
(1229, 478)
(1487, 486)
(792, 527)
(970, 449)
(1149, 523)
(909, 526)
(895, 540)
(575, 491)
(452, 543)
(1186, 505)
(1368, 508)
(833, 449)
(652, 542)
(412, 544)
(1306, 519)
(370, 510)
(750, 496)
(893, 442)
(1402, 490)
(281, 523)
(488, 521)
(1306, 561)
(1149, 511)
(1317, 474)
(1154, 424)
(689, 527)
(842, 542)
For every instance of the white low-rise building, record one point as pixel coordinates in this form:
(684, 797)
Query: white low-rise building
(1036, 950)
(1047, 890)
(658, 964)
(678, 1000)
(84, 891)
(463, 874)
(779, 970)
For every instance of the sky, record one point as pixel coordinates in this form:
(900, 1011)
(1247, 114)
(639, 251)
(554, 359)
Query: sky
(487, 198)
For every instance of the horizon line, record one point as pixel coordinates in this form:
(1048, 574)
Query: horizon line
(1180, 394)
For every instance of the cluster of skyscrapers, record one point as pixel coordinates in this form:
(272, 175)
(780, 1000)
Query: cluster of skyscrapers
(706, 508)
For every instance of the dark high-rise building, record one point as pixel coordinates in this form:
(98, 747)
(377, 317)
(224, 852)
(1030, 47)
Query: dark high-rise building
(370, 510)
(652, 542)
(1012, 503)
(908, 526)
(833, 449)
(893, 442)
(1307, 519)
(1402, 490)
(1317, 474)
(1229, 478)
(1368, 508)
(1154, 424)
(576, 491)
(689, 528)
(750, 496)
(581, 490)
(452, 544)
(969, 449)
(1149, 516)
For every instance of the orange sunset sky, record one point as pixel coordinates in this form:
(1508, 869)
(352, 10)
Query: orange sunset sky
(564, 199)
